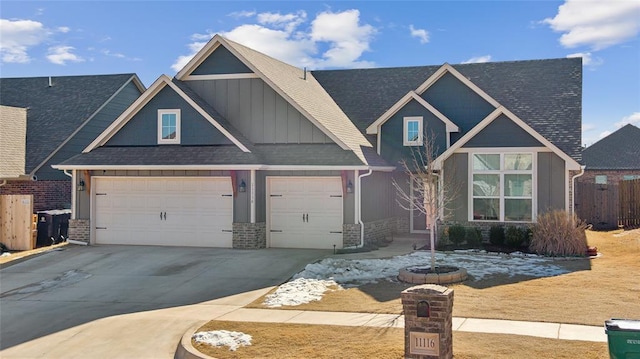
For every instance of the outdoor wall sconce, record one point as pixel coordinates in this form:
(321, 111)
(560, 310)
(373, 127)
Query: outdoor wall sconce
(349, 187)
(242, 187)
(81, 185)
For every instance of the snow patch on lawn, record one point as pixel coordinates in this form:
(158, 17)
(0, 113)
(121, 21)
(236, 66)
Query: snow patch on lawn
(311, 283)
(219, 338)
(5, 254)
(300, 291)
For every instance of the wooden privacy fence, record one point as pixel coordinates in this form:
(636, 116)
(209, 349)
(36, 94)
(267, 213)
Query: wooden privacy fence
(17, 228)
(597, 204)
(629, 209)
(608, 206)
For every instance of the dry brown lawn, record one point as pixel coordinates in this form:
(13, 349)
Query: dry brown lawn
(595, 290)
(320, 341)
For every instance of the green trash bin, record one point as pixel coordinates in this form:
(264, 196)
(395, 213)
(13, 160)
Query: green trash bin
(623, 336)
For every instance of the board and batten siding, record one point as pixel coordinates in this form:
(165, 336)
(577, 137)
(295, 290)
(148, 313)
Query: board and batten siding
(221, 61)
(458, 103)
(258, 112)
(502, 132)
(551, 182)
(142, 128)
(377, 196)
(89, 132)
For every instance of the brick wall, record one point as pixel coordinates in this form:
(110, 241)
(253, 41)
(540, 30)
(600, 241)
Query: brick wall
(402, 225)
(46, 194)
(249, 235)
(375, 232)
(79, 230)
(613, 177)
(350, 235)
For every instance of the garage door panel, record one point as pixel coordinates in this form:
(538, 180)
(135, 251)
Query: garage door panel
(318, 199)
(194, 211)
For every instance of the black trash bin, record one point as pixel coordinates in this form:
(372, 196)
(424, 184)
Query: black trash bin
(44, 230)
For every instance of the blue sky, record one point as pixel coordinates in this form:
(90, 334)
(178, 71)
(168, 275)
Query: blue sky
(150, 38)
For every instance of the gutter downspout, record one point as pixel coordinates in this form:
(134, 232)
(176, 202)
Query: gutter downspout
(359, 204)
(4, 182)
(573, 189)
(73, 192)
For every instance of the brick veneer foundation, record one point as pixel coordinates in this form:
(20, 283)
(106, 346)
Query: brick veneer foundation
(428, 314)
(249, 235)
(79, 230)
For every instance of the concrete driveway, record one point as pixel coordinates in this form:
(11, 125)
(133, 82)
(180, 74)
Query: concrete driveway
(129, 301)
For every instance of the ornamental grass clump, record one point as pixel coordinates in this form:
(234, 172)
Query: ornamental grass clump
(559, 233)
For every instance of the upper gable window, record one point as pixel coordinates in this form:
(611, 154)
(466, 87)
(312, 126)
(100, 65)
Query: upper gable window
(412, 131)
(168, 126)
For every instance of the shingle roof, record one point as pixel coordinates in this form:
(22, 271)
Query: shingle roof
(170, 155)
(545, 94)
(618, 151)
(55, 112)
(308, 94)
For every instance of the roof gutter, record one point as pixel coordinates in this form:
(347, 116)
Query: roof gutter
(226, 167)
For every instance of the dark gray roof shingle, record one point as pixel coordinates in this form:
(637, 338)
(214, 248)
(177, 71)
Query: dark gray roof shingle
(546, 94)
(55, 112)
(618, 151)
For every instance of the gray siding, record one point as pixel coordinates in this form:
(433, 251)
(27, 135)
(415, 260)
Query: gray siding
(392, 136)
(242, 200)
(551, 182)
(89, 132)
(258, 112)
(142, 129)
(377, 196)
(221, 61)
(503, 132)
(458, 102)
(456, 175)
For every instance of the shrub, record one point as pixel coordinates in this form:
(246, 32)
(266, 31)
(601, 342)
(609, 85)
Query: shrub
(496, 235)
(456, 234)
(516, 237)
(558, 233)
(473, 236)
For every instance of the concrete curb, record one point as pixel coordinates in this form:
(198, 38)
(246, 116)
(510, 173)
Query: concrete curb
(186, 350)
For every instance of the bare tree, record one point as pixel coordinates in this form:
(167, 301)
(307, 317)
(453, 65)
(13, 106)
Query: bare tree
(427, 191)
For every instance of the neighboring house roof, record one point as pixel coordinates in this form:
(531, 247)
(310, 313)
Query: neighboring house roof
(545, 94)
(13, 133)
(307, 95)
(57, 107)
(618, 151)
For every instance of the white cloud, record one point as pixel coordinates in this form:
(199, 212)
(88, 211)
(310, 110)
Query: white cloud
(478, 59)
(60, 55)
(588, 59)
(596, 23)
(241, 14)
(279, 35)
(633, 119)
(421, 34)
(64, 29)
(588, 127)
(347, 39)
(604, 134)
(17, 37)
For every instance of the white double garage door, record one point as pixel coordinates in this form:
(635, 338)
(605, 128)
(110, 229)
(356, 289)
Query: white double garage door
(302, 212)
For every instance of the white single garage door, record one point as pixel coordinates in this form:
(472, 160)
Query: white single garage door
(189, 211)
(305, 212)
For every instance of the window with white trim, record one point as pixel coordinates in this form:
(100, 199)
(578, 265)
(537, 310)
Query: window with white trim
(502, 187)
(412, 131)
(169, 126)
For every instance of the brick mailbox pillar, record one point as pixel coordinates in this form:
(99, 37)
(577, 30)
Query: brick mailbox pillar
(427, 322)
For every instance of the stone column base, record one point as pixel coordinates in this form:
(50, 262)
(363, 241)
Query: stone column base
(249, 235)
(80, 230)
